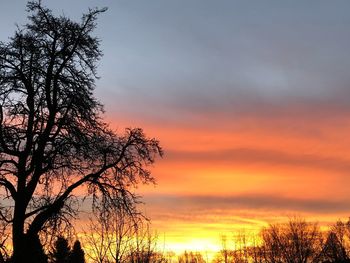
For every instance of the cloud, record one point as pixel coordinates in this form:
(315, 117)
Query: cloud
(262, 156)
(177, 60)
(209, 203)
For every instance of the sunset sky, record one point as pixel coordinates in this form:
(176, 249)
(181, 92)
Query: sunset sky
(249, 99)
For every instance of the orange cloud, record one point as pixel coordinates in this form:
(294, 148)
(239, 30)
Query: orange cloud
(223, 173)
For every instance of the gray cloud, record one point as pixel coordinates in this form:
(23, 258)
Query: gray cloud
(171, 59)
(196, 203)
(262, 156)
(224, 57)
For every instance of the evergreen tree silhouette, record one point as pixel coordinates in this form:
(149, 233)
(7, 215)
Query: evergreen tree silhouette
(77, 253)
(61, 251)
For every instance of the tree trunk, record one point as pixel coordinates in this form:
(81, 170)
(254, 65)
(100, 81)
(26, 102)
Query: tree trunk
(18, 238)
(19, 254)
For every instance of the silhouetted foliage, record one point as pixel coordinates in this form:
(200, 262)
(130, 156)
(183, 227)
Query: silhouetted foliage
(52, 137)
(333, 250)
(337, 245)
(77, 254)
(35, 250)
(61, 251)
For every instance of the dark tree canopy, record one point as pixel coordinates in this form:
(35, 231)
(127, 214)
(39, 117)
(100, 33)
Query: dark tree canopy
(61, 251)
(52, 136)
(77, 254)
(37, 253)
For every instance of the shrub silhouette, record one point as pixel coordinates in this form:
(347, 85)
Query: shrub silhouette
(61, 252)
(77, 254)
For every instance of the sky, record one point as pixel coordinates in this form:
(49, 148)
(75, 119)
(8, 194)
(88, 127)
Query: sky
(249, 99)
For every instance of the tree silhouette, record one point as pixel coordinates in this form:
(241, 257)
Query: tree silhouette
(336, 247)
(121, 237)
(77, 254)
(61, 251)
(191, 257)
(52, 137)
(37, 254)
(297, 241)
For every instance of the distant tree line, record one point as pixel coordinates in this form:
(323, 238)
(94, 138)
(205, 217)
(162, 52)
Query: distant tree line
(60, 252)
(297, 241)
(120, 238)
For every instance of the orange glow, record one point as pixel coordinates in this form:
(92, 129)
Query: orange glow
(221, 175)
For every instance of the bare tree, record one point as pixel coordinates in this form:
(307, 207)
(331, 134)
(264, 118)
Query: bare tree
(225, 252)
(237, 251)
(52, 138)
(98, 241)
(143, 248)
(336, 247)
(110, 234)
(4, 239)
(191, 257)
(297, 241)
(122, 227)
(118, 237)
